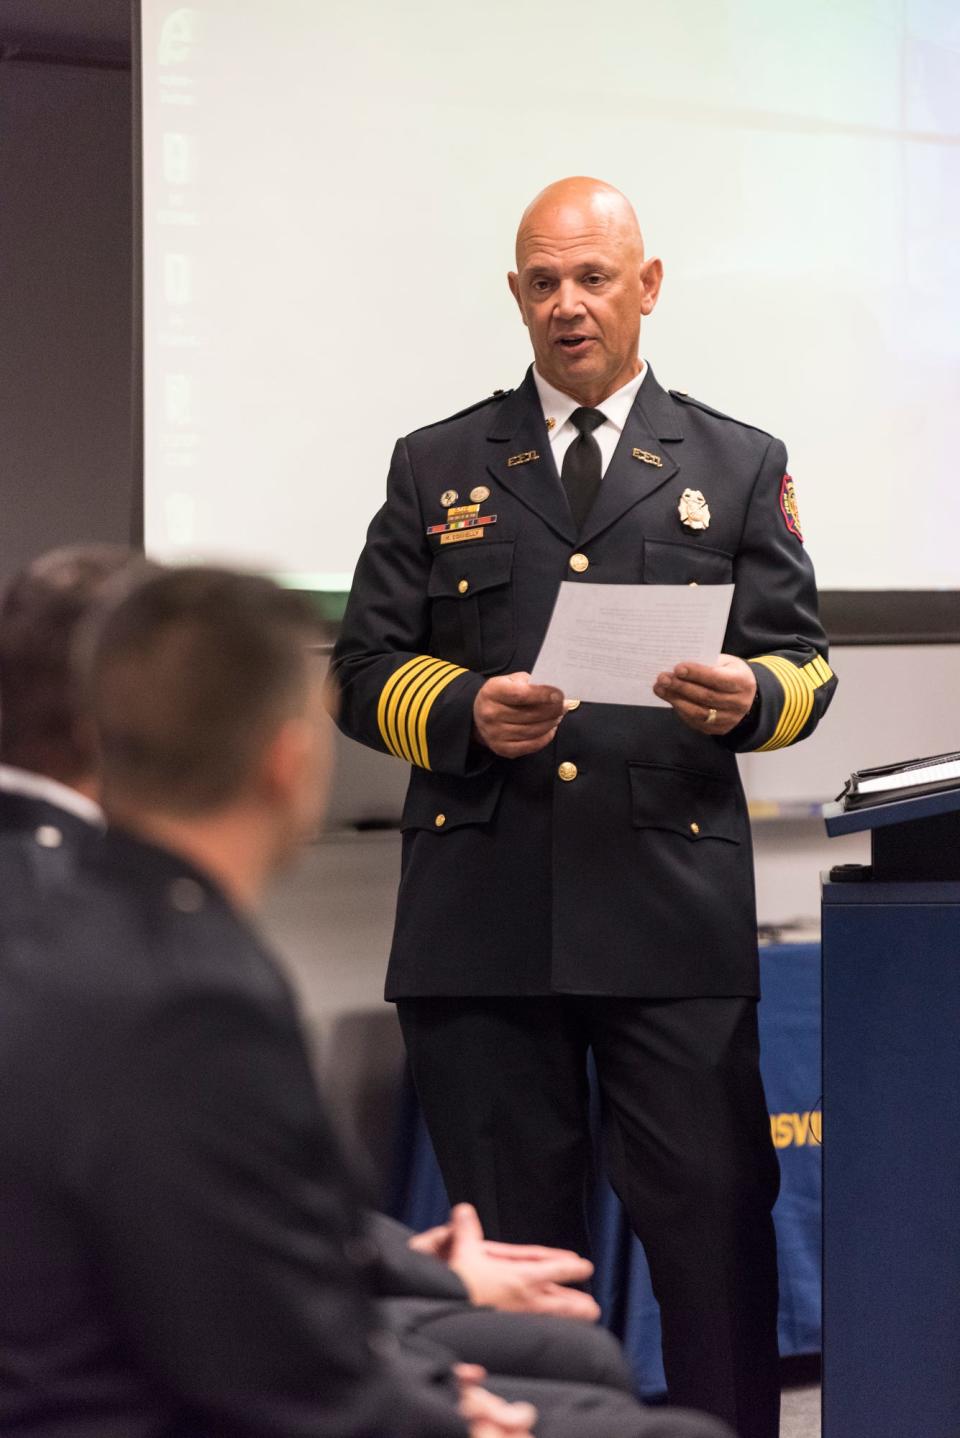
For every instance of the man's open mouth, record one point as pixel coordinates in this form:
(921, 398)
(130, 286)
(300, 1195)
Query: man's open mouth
(572, 342)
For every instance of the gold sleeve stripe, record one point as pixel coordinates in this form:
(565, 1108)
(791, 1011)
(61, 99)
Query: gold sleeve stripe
(799, 684)
(819, 667)
(403, 695)
(408, 694)
(438, 684)
(798, 701)
(798, 697)
(405, 703)
(419, 692)
(411, 668)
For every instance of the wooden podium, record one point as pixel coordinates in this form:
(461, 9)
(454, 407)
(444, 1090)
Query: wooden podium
(891, 1102)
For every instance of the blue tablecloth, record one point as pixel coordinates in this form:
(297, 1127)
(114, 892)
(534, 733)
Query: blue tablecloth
(790, 1038)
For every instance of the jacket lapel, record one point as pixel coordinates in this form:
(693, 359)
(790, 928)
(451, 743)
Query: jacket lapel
(628, 479)
(518, 433)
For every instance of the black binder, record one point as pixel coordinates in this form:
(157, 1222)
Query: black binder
(854, 796)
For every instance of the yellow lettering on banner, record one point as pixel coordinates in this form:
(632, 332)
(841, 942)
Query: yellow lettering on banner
(781, 1130)
(797, 1130)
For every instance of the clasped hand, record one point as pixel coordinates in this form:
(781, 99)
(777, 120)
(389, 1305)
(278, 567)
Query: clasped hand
(517, 1278)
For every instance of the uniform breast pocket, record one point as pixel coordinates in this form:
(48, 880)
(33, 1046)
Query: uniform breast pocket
(673, 562)
(472, 618)
(684, 801)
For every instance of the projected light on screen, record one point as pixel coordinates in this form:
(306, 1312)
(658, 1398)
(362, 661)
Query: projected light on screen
(330, 195)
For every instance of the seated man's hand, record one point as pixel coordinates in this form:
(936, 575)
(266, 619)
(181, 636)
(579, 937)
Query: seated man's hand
(512, 717)
(486, 1414)
(433, 1241)
(711, 698)
(511, 1277)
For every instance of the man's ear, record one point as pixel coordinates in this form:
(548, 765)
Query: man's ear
(285, 759)
(513, 280)
(651, 278)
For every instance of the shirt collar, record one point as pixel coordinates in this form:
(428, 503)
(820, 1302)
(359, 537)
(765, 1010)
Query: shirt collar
(40, 786)
(559, 406)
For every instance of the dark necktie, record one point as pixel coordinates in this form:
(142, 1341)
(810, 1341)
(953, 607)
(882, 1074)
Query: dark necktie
(580, 475)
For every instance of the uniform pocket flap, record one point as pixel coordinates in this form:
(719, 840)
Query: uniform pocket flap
(468, 569)
(685, 801)
(442, 802)
(673, 562)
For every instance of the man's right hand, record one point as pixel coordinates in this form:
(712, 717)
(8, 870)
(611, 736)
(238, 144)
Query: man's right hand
(512, 717)
(486, 1414)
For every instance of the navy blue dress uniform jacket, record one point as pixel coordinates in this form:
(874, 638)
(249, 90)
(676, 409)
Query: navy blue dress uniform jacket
(180, 1247)
(40, 848)
(634, 877)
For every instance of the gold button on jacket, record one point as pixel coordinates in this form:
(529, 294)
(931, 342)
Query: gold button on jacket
(579, 563)
(567, 771)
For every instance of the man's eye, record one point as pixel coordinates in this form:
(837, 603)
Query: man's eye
(540, 287)
(595, 279)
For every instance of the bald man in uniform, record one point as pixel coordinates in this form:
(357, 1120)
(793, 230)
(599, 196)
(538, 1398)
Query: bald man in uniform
(578, 877)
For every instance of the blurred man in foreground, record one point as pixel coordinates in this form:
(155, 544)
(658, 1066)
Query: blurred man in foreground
(181, 1250)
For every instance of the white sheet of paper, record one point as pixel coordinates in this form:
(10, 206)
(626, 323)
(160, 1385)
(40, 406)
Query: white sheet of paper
(608, 642)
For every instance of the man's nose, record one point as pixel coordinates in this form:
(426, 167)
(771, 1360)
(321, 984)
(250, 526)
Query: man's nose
(569, 304)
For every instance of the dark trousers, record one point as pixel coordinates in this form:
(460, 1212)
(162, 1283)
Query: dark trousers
(503, 1087)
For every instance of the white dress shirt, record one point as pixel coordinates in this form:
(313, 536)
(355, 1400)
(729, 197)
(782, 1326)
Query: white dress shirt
(558, 407)
(51, 791)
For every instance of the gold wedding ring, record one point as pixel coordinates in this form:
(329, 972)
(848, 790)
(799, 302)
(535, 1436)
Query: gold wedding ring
(711, 715)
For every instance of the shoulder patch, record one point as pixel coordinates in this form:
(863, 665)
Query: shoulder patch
(684, 398)
(789, 508)
(494, 398)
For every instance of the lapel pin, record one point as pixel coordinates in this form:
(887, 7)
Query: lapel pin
(448, 497)
(693, 510)
(551, 424)
(479, 494)
(525, 458)
(648, 458)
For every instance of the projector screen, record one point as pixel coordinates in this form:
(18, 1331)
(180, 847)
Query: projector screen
(330, 194)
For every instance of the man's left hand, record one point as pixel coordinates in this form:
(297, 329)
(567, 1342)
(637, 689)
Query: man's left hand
(711, 698)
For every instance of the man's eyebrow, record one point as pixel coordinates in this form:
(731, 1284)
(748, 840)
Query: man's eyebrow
(585, 267)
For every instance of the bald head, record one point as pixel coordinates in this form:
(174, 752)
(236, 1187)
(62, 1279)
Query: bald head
(580, 205)
(583, 285)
